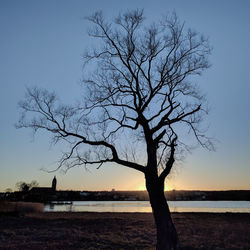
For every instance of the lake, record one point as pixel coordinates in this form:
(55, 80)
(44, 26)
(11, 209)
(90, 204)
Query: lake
(144, 206)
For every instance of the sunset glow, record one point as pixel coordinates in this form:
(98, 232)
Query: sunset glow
(168, 188)
(142, 187)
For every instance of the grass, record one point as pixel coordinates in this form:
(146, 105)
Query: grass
(121, 231)
(21, 207)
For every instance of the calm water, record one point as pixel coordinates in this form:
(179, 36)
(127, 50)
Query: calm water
(144, 206)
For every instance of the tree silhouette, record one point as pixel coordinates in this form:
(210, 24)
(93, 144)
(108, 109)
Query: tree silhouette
(25, 187)
(8, 190)
(140, 103)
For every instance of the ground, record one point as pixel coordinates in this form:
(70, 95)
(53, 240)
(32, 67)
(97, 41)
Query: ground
(120, 231)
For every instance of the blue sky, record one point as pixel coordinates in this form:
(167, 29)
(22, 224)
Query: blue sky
(42, 42)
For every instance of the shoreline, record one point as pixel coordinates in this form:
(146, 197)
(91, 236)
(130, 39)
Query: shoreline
(98, 230)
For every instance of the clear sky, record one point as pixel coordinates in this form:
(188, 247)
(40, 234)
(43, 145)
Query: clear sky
(41, 43)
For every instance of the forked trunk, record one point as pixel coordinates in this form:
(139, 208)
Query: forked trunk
(166, 233)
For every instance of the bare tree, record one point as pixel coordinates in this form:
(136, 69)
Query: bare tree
(8, 190)
(140, 91)
(25, 187)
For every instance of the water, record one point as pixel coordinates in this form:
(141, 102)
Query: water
(144, 206)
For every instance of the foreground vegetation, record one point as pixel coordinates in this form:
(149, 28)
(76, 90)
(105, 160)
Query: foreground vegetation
(120, 230)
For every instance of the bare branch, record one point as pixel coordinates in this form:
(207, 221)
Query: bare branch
(139, 82)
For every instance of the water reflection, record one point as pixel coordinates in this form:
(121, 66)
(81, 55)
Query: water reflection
(144, 206)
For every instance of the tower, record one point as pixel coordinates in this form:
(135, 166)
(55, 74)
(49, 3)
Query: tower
(54, 183)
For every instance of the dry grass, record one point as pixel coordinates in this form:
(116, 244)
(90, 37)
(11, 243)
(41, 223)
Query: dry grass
(21, 207)
(121, 231)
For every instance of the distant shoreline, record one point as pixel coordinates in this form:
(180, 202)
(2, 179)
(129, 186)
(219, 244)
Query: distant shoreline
(42, 195)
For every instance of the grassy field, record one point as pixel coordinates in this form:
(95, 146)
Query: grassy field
(120, 231)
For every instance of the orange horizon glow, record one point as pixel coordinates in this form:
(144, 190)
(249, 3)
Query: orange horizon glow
(142, 187)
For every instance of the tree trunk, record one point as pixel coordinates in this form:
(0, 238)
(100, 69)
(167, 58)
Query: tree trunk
(166, 233)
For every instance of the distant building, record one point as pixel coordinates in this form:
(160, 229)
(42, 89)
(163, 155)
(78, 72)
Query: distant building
(43, 193)
(54, 183)
(84, 194)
